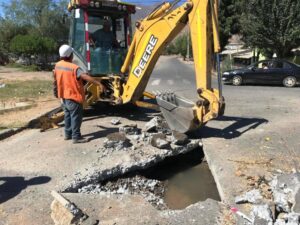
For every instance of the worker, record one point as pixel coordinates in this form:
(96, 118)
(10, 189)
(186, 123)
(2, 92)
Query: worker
(104, 38)
(69, 81)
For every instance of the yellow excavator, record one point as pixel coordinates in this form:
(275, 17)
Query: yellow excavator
(101, 36)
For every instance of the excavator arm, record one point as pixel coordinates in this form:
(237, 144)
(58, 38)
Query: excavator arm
(152, 35)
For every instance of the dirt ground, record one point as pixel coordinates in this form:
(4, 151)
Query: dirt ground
(17, 74)
(41, 104)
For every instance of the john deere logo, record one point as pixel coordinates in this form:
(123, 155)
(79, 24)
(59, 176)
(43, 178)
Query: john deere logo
(146, 56)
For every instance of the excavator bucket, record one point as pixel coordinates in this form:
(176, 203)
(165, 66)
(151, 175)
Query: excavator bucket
(178, 112)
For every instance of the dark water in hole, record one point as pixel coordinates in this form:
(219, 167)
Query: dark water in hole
(188, 180)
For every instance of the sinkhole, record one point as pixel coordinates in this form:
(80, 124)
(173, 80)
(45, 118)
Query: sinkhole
(187, 179)
(174, 183)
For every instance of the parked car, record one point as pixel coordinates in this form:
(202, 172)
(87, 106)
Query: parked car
(274, 71)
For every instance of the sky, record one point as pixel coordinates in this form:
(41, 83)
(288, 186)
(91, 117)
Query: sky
(139, 2)
(1, 2)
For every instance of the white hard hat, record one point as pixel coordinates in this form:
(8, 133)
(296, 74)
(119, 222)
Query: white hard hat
(65, 51)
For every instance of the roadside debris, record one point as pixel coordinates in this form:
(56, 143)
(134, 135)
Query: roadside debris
(285, 190)
(115, 121)
(131, 150)
(151, 190)
(262, 214)
(65, 212)
(116, 141)
(253, 196)
(179, 138)
(242, 215)
(160, 141)
(153, 124)
(131, 129)
(2, 85)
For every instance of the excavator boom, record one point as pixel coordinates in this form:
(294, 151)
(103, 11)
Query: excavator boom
(152, 35)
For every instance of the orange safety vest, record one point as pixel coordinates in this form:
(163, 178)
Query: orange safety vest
(68, 86)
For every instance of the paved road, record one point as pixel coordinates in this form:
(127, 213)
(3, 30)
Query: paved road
(258, 134)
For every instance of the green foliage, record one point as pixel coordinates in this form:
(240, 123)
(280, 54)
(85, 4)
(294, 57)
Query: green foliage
(8, 30)
(43, 17)
(32, 45)
(179, 46)
(272, 26)
(229, 19)
(35, 18)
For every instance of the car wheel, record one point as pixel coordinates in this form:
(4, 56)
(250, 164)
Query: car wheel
(289, 81)
(236, 80)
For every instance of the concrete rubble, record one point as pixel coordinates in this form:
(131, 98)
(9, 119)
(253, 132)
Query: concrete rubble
(179, 138)
(116, 176)
(130, 150)
(134, 210)
(285, 197)
(252, 196)
(116, 173)
(262, 214)
(285, 189)
(131, 129)
(116, 141)
(153, 124)
(151, 190)
(115, 121)
(160, 141)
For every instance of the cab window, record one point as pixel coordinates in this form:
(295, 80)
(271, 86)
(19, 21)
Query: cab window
(276, 65)
(77, 32)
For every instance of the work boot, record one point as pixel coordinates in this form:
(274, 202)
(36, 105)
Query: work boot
(67, 138)
(80, 140)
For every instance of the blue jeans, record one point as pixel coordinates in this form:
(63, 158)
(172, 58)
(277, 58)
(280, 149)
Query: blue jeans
(73, 118)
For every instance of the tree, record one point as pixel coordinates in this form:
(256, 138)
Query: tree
(272, 26)
(40, 17)
(32, 45)
(9, 29)
(229, 19)
(179, 46)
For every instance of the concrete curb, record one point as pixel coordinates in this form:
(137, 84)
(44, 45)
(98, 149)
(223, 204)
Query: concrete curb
(6, 133)
(10, 132)
(18, 108)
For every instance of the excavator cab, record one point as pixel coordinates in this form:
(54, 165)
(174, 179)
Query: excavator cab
(100, 34)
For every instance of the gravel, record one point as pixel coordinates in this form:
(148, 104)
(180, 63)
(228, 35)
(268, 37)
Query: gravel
(151, 190)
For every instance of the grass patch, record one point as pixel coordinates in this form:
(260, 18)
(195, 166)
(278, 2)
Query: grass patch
(29, 68)
(30, 89)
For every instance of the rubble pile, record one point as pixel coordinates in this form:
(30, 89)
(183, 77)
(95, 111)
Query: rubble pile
(151, 190)
(284, 206)
(156, 133)
(127, 152)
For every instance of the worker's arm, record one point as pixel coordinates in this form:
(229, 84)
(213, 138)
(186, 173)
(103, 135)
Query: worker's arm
(90, 79)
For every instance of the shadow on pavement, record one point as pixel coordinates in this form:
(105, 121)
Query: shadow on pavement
(128, 111)
(239, 126)
(13, 186)
(101, 133)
